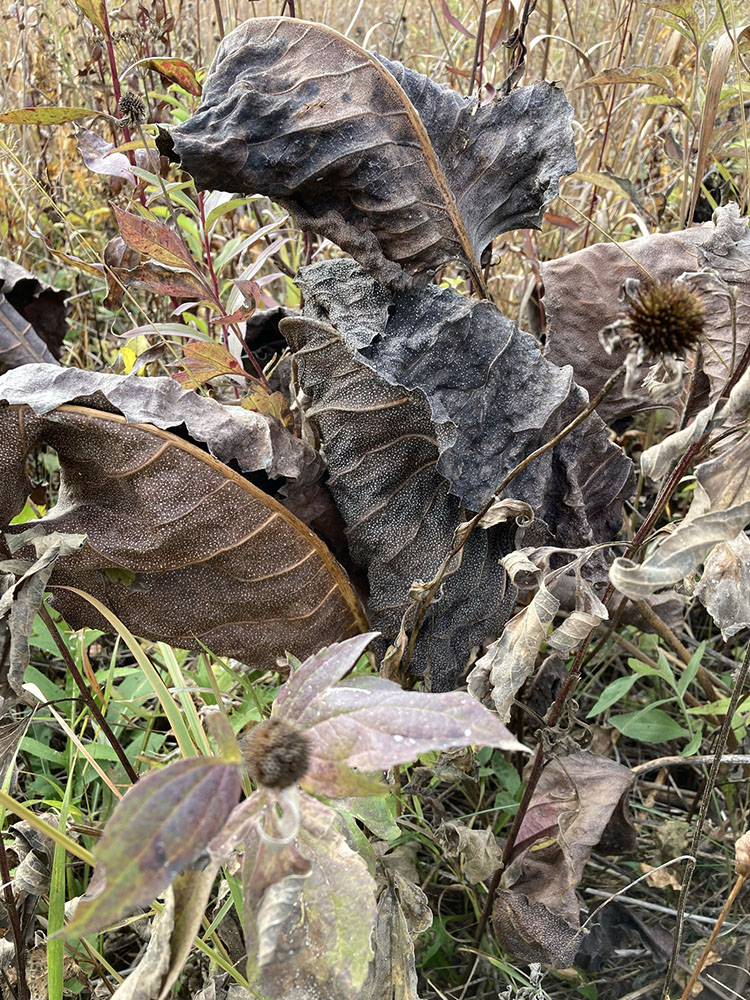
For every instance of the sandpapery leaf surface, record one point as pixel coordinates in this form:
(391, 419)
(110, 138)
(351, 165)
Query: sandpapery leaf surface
(400, 172)
(179, 546)
(160, 826)
(423, 403)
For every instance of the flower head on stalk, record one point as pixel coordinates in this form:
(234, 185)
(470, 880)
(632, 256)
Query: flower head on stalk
(662, 321)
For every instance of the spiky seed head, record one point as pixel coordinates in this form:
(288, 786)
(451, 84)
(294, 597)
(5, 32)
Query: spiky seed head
(276, 753)
(132, 109)
(666, 317)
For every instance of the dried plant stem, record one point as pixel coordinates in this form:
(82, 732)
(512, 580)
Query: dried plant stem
(86, 694)
(474, 522)
(688, 991)
(15, 923)
(713, 774)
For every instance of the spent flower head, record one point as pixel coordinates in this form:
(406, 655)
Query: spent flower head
(661, 322)
(132, 110)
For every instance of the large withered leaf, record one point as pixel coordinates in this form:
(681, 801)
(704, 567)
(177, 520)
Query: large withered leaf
(580, 803)
(398, 171)
(20, 344)
(179, 546)
(423, 403)
(581, 297)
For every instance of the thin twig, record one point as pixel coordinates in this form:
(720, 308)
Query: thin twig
(15, 923)
(726, 729)
(688, 991)
(86, 694)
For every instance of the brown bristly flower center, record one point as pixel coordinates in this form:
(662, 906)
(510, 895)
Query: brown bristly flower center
(276, 753)
(668, 318)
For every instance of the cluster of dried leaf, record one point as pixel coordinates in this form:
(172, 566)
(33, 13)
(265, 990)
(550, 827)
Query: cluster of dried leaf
(413, 404)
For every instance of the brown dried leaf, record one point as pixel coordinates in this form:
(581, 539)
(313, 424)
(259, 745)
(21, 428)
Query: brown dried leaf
(581, 297)
(398, 171)
(179, 546)
(580, 803)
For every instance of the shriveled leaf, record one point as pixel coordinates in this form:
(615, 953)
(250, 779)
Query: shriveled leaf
(597, 274)
(398, 171)
(477, 847)
(154, 239)
(179, 546)
(161, 825)
(203, 361)
(176, 71)
(21, 601)
(509, 661)
(724, 588)
(99, 156)
(403, 913)
(44, 115)
(313, 929)
(423, 403)
(191, 891)
(580, 803)
(40, 305)
(144, 983)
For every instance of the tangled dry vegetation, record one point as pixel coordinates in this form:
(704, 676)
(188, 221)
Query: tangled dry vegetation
(267, 395)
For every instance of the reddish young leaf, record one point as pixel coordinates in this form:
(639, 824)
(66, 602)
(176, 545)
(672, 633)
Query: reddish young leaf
(161, 825)
(204, 360)
(153, 239)
(44, 115)
(453, 20)
(178, 71)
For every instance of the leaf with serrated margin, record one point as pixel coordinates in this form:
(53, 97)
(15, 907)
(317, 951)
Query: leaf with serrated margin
(398, 171)
(161, 825)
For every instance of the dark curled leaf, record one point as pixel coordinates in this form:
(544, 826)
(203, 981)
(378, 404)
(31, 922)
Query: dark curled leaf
(398, 171)
(424, 402)
(162, 825)
(32, 318)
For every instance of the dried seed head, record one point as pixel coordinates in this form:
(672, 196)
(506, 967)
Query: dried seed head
(132, 109)
(666, 317)
(742, 855)
(276, 753)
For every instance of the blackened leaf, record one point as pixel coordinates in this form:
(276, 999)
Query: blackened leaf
(40, 304)
(179, 546)
(580, 803)
(161, 825)
(423, 403)
(398, 171)
(19, 342)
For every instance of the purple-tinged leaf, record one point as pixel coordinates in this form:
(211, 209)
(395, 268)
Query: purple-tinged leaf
(317, 674)
(153, 239)
(162, 281)
(161, 825)
(309, 932)
(99, 156)
(454, 21)
(371, 724)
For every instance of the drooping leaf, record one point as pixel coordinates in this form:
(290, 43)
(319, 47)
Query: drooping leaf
(478, 848)
(179, 546)
(154, 239)
(158, 828)
(597, 273)
(403, 913)
(99, 156)
(95, 11)
(20, 603)
(724, 588)
(579, 803)
(423, 403)
(398, 171)
(40, 305)
(145, 980)
(45, 115)
(309, 912)
(176, 71)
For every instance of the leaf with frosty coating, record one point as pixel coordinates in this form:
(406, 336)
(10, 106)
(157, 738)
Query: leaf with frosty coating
(161, 825)
(328, 952)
